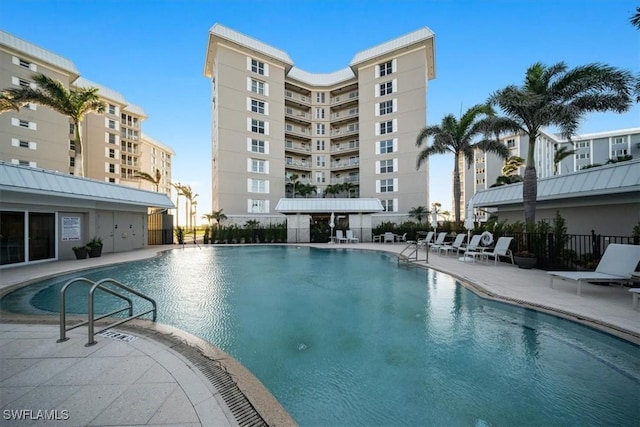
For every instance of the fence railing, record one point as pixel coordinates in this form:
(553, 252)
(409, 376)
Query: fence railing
(566, 252)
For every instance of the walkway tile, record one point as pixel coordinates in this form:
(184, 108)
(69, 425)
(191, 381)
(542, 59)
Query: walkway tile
(176, 410)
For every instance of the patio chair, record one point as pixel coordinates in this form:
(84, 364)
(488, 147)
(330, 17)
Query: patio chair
(438, 242)
(501, 249)
(402, 238)
(427, 240)
(389, 237)
(340, 237)
(455, 246)
(617, 265)
(350, 237)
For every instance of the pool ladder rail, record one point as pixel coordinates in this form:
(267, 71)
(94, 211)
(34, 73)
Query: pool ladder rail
(411, 252)
(102, 285)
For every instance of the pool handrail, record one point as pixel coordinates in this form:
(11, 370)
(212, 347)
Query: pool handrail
(90, 320)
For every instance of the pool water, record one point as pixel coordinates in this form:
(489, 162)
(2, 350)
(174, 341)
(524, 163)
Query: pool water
(346, 337)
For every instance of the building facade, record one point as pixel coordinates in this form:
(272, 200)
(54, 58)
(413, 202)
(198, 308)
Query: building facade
(36, 136)
(590, 149)
(351, 133)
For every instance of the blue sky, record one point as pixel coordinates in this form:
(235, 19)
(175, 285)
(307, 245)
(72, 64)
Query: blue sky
(152, 52)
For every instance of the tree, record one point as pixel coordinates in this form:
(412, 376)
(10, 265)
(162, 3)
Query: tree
(512, 165)
(75, 104)
(218, 216)
(331, 189)
(305, 190)
(635, 19)
(561, 154)
(557, 96)
(155, 180)
(418, 213)
(456, 136)
(348, 188)
(9, 103)
(294, 184)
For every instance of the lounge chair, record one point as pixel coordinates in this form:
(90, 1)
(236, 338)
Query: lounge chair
(402, 238)
(455, 246)
(340, 237)
(427, 240)
(350, 237)
(617, 265)
(438, 242)
(501, 249)
(389, 237)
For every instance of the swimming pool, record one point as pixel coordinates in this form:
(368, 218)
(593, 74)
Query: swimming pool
(345, 337)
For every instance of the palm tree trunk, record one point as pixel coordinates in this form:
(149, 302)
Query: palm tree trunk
(456, 188)
(78, 165)
(530, 184)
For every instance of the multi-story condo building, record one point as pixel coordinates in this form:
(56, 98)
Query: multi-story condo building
(590, 149)
(274, 123)
(155, 156)
(40, 137)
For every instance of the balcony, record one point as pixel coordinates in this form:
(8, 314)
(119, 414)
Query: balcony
(344, 115)
(304, 132)
(345, 98)
(353, 179)
(345, 131)
(297, 115)
(297, 98)
(300, 164)
(345, 164)
(344, 147)
(292, 146)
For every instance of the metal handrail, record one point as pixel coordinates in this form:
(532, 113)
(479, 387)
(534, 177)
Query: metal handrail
(414, 247)
(90, 321)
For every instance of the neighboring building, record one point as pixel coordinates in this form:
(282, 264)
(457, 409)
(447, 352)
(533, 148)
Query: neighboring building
(605, 199)
(155, 156)
(591, 149)
(273, 122)
(44, 214)
(42, 138)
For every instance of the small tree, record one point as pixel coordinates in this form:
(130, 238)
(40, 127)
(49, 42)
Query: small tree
(418, 213)
(155, 180)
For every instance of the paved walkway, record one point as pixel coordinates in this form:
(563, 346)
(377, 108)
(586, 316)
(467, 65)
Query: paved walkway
(147, 382)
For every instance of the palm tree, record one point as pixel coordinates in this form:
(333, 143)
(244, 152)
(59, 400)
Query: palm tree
(155, 180)
(557, 96)
(561, 154)
(9, 103)
(456, 136)
(418, 213)
(75, 104)
(512, 165)
(294, 184)
(348, 188)
(307, 189)
(635, 19)
(218, 216)
(179, 193)
(331, 189)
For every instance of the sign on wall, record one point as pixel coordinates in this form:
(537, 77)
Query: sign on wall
(70, 228)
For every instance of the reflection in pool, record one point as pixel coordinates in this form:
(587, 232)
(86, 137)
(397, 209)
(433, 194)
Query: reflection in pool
(345, 337)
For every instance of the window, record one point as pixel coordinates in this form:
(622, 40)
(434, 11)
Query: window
(72, 162)
(112, 153)
(321, 161)
(386, 127)
(386, 88)
(582, 156)
(386, 166)
(618, 140)
(622, 152)
(112, 138)
(320, 178)
(386, 146)
(257, 67)
(72, 145)
(112, 124)
(112, 109)
(386, 185)
(320, 97)
(583, 144)
(257, 106)
(320, 129)
(23, 124)
(257, 87)
(257, 166)
(320, 145)
(257, 206)
(386, 68)
(72, 129)
(24, 64)
(257, 126)
(23, 144)
(388, 205)
(112, 168)
(112, 180)
(319, 113)
(480, 181)
(386, 107)
(257, 146)
(511, 143)
(258, 186)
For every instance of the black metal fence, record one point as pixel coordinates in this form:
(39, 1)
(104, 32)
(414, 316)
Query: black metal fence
(567, 251)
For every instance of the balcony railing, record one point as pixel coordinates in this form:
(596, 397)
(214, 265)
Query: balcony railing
(353, 179)
(297, 147)
(345, 146)
(345, 130)
(297, 163)
(298, 130)
(345, 97)
(345, 163)
(345, 114)
(297, 97)
(298, 114)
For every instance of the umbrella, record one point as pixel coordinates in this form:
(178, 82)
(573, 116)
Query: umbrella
(332, 224)
(468, 221)
(434, 220)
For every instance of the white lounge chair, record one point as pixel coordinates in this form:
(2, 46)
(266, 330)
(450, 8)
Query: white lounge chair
(455, 246)
(389, 237)
(350, 237)
(617, 265)
(427, 240)
(340, 237)
(501, 249)
(438, 242)
(472, 246)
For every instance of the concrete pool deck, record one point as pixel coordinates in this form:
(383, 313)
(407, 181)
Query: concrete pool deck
(156, 380)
